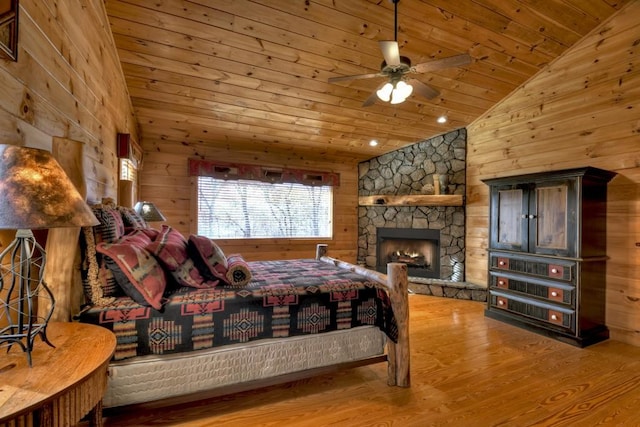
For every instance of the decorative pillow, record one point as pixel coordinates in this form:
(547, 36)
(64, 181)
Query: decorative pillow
(108, 282)
(170, 247)
(208, 257)
(238, 273)
(111, 227)
(151, 233)
(135, 269)
(98, 282)
(131, 218)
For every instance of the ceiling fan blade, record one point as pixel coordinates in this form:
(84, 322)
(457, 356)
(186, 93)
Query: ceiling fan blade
(423, 89)
(356, 77)
(439, 64)
(390, 51)
(370, 100)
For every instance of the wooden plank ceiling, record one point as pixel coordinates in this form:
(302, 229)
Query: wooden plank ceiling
(253, 74)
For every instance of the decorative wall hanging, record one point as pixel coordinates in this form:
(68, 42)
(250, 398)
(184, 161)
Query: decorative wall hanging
(9, 29)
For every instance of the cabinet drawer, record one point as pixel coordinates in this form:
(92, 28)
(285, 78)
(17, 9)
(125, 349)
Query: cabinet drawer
(556, 292)
(530, 308)
(541, 267)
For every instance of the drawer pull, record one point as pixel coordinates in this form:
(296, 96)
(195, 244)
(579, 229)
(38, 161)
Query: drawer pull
(500, 282)
(501, 263)
(500, 302)
(554, 317)
(554, 270)
(554, 294)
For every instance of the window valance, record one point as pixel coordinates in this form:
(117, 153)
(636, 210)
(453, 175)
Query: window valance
(232, 171)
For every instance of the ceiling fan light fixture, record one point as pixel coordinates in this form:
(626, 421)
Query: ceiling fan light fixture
(395, 92)
(384, 93)
(401, 92)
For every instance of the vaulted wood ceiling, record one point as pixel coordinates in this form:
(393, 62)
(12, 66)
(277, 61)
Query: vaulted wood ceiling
(253, 74)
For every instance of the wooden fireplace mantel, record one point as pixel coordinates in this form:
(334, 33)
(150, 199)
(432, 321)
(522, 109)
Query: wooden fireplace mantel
(411, 200)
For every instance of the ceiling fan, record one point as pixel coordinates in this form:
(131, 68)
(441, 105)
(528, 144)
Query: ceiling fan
(395, 67)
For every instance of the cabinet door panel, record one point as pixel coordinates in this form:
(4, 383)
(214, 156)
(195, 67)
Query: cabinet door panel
(551, 214)
(508, 217)
(552, 225)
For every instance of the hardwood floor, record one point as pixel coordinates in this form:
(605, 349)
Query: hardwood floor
(467, 370)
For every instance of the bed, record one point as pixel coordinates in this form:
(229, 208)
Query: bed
(222, 325)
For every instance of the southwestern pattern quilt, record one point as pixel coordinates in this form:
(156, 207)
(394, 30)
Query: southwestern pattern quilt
(284, 298)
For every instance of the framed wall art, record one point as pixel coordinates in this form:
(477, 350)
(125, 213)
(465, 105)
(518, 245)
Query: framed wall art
(9, 29)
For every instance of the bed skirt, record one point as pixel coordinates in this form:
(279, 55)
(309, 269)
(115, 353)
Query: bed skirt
(150, 378)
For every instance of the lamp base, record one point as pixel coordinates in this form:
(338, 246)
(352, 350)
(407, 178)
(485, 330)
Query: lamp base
(21, 286)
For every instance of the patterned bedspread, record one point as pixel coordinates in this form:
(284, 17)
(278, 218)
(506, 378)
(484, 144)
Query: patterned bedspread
(284, 298)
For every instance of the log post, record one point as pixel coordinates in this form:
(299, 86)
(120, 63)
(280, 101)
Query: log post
(321, 250)
(399, 353)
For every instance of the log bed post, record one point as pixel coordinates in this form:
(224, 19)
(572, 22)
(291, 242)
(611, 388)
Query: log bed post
(396, 282)
(399, 356)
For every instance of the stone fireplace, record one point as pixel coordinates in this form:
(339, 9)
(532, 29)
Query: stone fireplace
(409, 171)
(419, 249)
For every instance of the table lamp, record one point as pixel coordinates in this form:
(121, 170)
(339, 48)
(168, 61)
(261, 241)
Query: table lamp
(149, 212)
(36, 194)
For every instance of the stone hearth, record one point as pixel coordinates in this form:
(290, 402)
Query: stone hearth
(448, 289)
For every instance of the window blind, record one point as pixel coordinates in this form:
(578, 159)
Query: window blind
(254, 209)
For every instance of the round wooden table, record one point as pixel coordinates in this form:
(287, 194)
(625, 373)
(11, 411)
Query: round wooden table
(64, 384)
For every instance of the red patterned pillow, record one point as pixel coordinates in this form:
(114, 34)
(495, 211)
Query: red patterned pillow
(208, 257)
(151, 233)
(170, 247)
(135, 269)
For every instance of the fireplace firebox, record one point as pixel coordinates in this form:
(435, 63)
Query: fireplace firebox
(418, 248)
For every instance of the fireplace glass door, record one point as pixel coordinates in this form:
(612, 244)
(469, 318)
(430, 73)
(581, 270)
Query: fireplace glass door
(419, 249)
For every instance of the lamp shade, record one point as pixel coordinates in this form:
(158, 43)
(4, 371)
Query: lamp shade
(37, 193)
(149, 212)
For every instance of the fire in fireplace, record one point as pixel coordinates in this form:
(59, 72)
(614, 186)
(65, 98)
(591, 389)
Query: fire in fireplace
(412, 258)
(418, 248)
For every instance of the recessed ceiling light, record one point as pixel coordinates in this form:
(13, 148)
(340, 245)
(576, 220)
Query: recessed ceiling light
(442, 119)
(373, 143)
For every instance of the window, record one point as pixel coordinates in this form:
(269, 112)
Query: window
(128, 170)
(255, 209)
(128, 183)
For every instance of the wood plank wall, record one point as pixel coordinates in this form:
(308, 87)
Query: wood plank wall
(583, 110)
(67, 85)
(164, 180)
